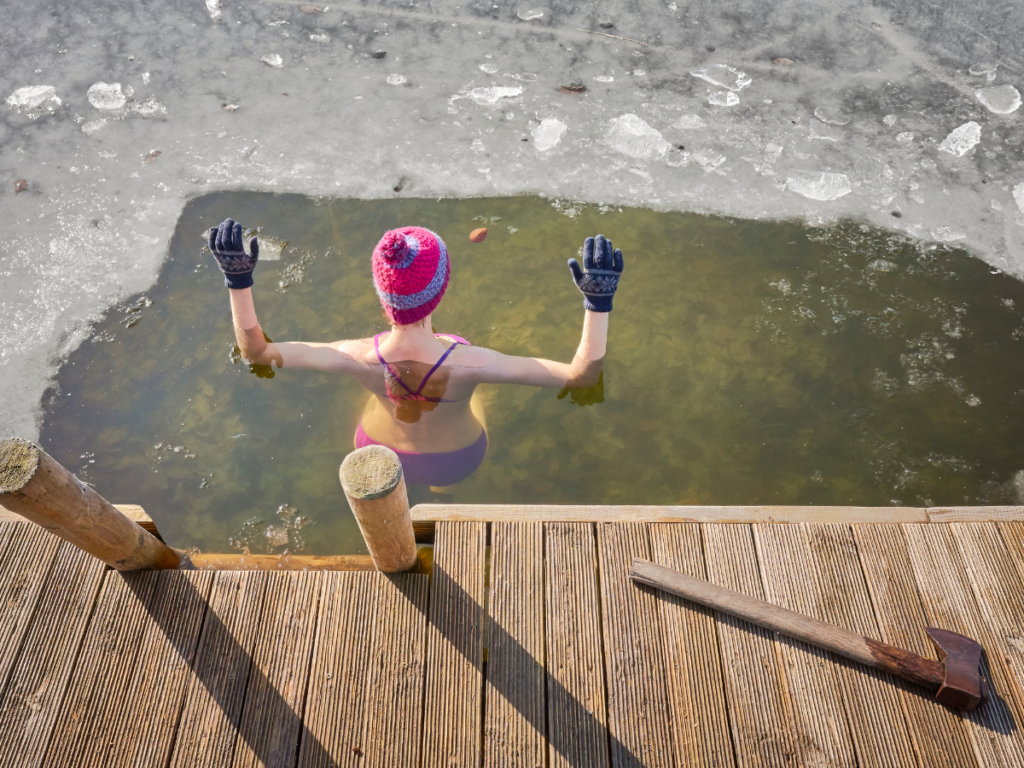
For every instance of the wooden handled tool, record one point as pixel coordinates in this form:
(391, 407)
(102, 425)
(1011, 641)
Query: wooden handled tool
(955, 679)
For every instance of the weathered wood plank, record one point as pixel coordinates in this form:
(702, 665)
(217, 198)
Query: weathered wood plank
(577, 702)
(85, 728)
(639, 719)
(147, 721)
(949, 603)
(24, 563)
(973, 514)
(339, 678)
(700, 717)
(272, 715)
(999, 593)
(212, 711)
(762, 726)
(237, 562)
(394, 720)
(876, 717)
(654, 514)
(30, 703)
(515, 734)
(813, 685)
(942, 737)
(452, 716)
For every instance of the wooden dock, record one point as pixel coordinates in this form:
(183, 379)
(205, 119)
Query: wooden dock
(526, 646)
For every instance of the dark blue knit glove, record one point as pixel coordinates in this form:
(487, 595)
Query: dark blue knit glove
(226, 246)
(599, 278)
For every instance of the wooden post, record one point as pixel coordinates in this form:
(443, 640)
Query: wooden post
(38, 488)
(375, 487)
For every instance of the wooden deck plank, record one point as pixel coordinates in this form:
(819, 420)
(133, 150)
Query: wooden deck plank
(813, 680)
(272, 715)
(949, 603)
(693, 666)
(25, 562)
(32, 698)
(974, 514)
(999, 592)
(84, 732)
(452, 718)
(393, 734)
(212, 711)
(339, 678)
(577, 702)
(762, 727)
(872, 698)
(942, 737)
(639, 719)
(515, 734)
(148, 721)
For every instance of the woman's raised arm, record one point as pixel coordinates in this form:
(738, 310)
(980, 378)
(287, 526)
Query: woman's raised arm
(237, 265)
(597, 280)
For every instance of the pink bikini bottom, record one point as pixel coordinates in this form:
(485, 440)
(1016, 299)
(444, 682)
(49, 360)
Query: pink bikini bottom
(436, 469)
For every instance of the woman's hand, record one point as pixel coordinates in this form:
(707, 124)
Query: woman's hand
(599, 278)
(226, 246)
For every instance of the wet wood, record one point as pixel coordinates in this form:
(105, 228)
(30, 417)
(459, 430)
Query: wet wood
(948, 601)
(515, 731)
(393, 734)
(237, 562)
(339, 677)
(762, 727)
(272, 716)
(452, 716)
(212, 711)
(35, 486)
(85, 728)
(576, 696)
(145, 726)
(24, 563)
(876, 717)
(39, 678)
(693, 665)
(813, 686)
(942, 737)
(639, 720)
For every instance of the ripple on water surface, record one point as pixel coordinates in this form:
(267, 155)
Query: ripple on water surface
(748, 363)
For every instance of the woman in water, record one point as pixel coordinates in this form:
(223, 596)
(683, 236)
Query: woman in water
(422, 383)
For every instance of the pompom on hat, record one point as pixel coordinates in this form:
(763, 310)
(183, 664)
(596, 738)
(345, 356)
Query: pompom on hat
(410, 273)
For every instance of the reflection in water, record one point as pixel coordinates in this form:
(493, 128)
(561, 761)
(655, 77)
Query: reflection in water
(748, 363)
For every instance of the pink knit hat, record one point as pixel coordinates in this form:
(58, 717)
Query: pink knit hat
(410, 272)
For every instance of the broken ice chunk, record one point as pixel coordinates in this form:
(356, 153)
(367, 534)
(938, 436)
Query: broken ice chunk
(93, 125)
(831, 116)
(149, 108)
(819, 185)
(530, 15)
(723, 99)
(1001, 99)
(889, 121)
(604, 78)
(708, 159)
(984, 68)
(826, 132)
(631, 136)
(213, 8)
(490, 69)
(490, 96)
(1018, 196)
(107, 97)
(881, 265)
(689, 122)
(273, 60)
(962, 140)
(905, 137)
(34, 100)
(548, 133)
(397, 79)
(723, 76)
(946, 234)
(320, 37)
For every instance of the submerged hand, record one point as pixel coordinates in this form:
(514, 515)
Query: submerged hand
(226, 246)
(599, 278)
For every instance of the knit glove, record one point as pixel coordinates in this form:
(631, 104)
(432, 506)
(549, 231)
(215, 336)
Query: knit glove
(599, 278)
(226, 246)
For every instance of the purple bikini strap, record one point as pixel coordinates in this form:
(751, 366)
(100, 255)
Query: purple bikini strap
(376, 348)
(436, 366)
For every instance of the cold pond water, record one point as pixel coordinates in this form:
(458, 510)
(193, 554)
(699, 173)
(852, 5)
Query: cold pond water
(748, 363)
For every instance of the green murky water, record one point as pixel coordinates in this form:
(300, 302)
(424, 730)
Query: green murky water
(748, 363)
